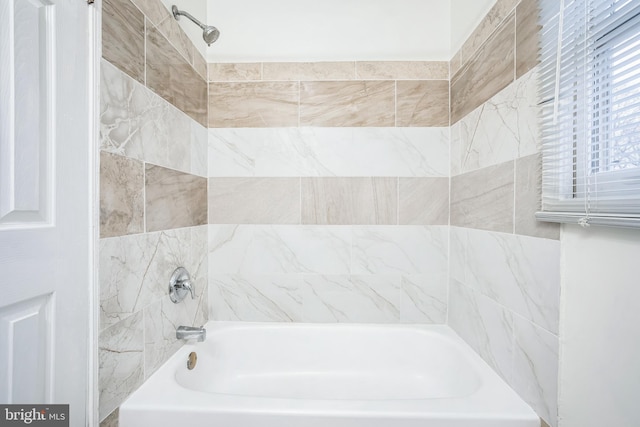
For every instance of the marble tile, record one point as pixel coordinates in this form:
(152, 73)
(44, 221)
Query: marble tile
(423, 201)
(159, 335)
(134, 270)
(456, 148)
(527, 40)
(256, 298)
(402, 70)
(279, 249)
(111, 420)
(199, 269)
(492, 21)
(362, 299)
(154, 10)
(236, 72)
(488, 72)
(528, 199)
(503, 128)
(422, 103)
(347, 103)
(423, 298)
(161, 319)
(137, 123)
(335, 201)
(483, 199)
(200, 64)
(121, 195)
(253, 104)
(345, 152)
(178, 38)
(308, 71)
(535, 373)
(406, 249)
(254, 201)
(521, 273)
(174, 199)
(458, 243)
(121, 362)
(484, 325)
(199, 150)
(456, 63)
(172, 77)
(123, 37)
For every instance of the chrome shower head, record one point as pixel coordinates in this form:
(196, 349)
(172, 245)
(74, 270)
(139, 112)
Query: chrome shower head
(209, 33)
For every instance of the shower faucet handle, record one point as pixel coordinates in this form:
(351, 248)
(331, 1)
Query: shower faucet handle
(180, 285)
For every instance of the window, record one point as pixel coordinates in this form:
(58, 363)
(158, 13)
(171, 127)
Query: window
(590, 91)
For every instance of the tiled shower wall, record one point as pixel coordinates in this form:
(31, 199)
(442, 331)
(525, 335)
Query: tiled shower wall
(328, 196)
(329, 191)
(504, 267)
(153, 193)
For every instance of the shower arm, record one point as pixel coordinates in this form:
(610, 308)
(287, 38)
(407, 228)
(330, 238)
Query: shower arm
(177, 13)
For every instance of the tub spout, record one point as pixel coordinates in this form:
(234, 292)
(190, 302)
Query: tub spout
(191, 333)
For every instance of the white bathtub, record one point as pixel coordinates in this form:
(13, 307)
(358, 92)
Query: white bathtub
(310, 375)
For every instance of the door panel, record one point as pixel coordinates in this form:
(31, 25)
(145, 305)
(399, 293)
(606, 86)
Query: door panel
(47, 235)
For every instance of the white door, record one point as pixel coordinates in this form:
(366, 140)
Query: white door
(47, 164)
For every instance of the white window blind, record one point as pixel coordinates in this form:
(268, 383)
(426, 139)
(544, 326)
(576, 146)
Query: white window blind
(590, 107)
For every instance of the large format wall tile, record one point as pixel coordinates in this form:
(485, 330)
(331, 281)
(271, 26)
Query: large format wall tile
(178, 38)
(337, 201)
(121, 361)
(347, 103)
(483, 199)
(220, 72)
(256, 298)
(345, 152)
(254, 201)
(308, 71)
(174, 199)
(525, 355)
(154, 10)
(488, 72)
(484, 325)
(535, 370)
(134, 270)
(328, 250)
(521, 273)
(503, 128)
(329, 298)
(527, 39)
(399, 250)
(494, 18)
(173, 78)
(373, 298)
(423, 298)
(162, 318)
(121, 196)
(137, 123)
(423, 201)
(253, 104)
(528, 199)
(422, 103)
(279, 249)
(402, 70)
(199, 150)
(123, 37)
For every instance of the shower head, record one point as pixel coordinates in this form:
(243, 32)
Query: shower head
(209, 33)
